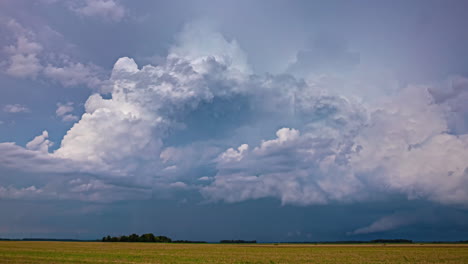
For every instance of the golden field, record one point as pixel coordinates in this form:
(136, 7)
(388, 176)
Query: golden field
(25, 252)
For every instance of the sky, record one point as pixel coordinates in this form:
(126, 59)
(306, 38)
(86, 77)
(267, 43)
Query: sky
(257, 120)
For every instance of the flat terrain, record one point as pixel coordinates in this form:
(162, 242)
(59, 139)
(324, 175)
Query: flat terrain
(96, 252)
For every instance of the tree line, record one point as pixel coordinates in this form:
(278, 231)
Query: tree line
(405, 241)
(136, 238)
(238, 241)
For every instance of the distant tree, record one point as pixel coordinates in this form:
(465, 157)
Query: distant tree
(147, 238)
(136, 238)
(238, 241)
(133, 238)
(391, 241)
(188, 241)
(163, 239)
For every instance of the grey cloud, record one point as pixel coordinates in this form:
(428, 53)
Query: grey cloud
(41, 176)
(73, 74)
(24, 54)
(81, 188)
(110, 10)
(64, 111)
(15, 108)
(19, 158)
(453, 97)
(36, 55)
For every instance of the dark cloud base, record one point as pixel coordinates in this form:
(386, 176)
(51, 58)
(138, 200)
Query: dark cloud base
(264, 220)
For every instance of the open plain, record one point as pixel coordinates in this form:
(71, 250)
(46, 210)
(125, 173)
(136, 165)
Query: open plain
(26, 252)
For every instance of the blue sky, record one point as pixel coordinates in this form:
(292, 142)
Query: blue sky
(210, 120)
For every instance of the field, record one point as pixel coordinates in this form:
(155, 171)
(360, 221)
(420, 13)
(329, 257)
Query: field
(96, 252)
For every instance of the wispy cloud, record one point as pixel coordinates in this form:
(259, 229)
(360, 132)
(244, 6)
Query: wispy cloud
(110, 10)
(16, 108)
(64, 111)
(387, 223)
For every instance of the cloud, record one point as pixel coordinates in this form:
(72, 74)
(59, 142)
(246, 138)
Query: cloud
(18, 158)
(178, 185)
(184, 163)
(387, 223)
(64, 111)
(407, 148)
(232, 154)
(199, 42)
(452, 97)
(40, 143)
(311, 146)
(30, 58)
(204, 178)
(21, 193)
(346, 152)
(120, 138)
(81, 189)
(110, 10)
(15, 108)
(40, 175)
(297, 169)
(24, 54)
(342, 154)
(74, 74)
(145, 103)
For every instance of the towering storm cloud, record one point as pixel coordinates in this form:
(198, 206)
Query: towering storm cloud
(200, 119)
(327, 147)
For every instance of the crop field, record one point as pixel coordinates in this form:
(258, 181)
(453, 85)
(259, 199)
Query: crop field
(95, 252)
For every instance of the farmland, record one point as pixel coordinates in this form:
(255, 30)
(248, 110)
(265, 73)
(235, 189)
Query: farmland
(96, 252)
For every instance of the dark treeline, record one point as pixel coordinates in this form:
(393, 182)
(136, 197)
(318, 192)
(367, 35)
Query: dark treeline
(164, 239)
(146, 238)
(238, 241)
(406, 241)
(188, 241)
(375, 241)
(136, 238)
(48, 239)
